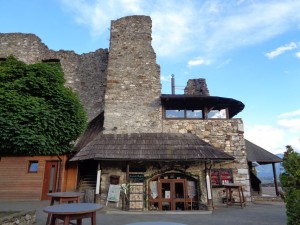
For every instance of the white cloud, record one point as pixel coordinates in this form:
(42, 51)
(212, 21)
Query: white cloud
(290, 124)
(298, 54)
(208, 28)
(274, 139)
(198, 62)
(226, 62)
(280, 50)
(267, 137)
(290, 114)
(165, 78)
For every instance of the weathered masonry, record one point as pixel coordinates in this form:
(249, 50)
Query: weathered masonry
(169, 151)
(86, 73)
(169, 141)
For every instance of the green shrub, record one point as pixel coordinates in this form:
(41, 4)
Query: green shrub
(38, 114)
(290, 180)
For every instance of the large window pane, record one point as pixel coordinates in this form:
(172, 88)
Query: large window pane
(217, 114)
(193, 113)
(170, 113)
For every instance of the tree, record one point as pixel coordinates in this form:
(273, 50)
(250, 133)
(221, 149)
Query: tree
(290, 181)
(38, 114)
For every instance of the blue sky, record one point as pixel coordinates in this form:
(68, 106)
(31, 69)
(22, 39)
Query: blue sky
(248, 50)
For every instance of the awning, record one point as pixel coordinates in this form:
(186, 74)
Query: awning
(260, 155)
(151, 147)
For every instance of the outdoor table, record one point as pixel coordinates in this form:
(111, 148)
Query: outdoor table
(63, 197)
(73, 211)
(239, 188)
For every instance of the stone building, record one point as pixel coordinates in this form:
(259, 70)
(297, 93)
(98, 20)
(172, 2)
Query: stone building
(174, 151)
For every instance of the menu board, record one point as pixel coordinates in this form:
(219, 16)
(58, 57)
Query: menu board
(226, 176)
(221, 176)
(215, 177)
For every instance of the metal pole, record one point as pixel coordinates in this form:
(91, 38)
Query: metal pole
(173, 84)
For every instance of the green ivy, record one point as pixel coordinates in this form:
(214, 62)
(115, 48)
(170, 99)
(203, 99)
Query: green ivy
(38, 114)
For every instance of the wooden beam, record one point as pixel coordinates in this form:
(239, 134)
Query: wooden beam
(275, 179)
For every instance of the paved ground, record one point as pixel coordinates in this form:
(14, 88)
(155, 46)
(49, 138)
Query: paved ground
(264, 213)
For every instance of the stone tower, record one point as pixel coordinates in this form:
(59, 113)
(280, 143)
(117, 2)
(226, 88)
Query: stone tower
(132, 98)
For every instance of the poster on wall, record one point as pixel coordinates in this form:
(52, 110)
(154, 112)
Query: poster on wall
(113, 194)
(167, 194)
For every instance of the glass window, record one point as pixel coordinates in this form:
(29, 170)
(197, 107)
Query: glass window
(33, 166)
(194, 114)
(170, 113)
(216, 114)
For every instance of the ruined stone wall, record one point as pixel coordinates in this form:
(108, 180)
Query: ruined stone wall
(226, 135)
(132, 99)
(85, 73)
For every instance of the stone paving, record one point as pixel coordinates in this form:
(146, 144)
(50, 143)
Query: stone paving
(263, 213)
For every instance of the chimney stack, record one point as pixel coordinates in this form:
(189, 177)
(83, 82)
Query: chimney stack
(173, 84)
(196, 87)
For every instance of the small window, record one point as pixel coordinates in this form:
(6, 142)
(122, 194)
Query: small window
(33, 166)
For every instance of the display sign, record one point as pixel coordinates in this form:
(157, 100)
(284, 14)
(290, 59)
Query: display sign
(136, 178)
(221, 176)
(113, 193)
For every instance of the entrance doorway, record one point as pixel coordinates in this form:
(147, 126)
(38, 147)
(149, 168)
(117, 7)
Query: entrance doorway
(172, 192)
(50, 179)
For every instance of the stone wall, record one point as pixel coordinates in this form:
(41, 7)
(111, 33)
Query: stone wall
(85, 73)
(20, 218)
(132, 99)
(226, 135)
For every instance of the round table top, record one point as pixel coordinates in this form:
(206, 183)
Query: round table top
(155, 223)
(77, 208)
(65, 194)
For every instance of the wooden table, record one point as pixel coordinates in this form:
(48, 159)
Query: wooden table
(65, 197)
(239, 188)
(73, 211)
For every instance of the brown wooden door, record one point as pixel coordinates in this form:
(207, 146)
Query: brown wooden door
(179, 189)
(50, 179)
(172, 194)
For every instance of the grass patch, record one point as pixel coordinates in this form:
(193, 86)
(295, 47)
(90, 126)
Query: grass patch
(7, 213)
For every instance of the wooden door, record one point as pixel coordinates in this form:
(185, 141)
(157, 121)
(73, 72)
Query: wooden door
(50, 179)
(172, 194)
(179, 190)
(165, 200)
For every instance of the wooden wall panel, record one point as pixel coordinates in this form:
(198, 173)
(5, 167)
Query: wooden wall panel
(16, 183)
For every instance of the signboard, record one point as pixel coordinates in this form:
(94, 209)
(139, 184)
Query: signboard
(113, 193)
(221, 176)
(215, 178)
(136, 178)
